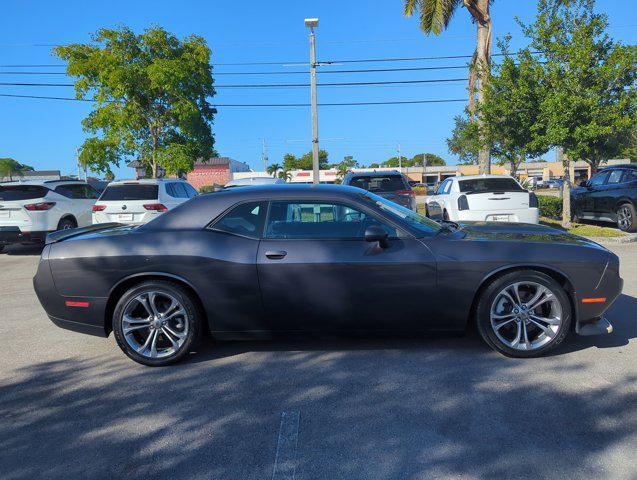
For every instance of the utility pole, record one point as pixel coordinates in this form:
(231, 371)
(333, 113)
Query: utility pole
(264, 157)
(311, 23)
(400, 160)
(424, 169)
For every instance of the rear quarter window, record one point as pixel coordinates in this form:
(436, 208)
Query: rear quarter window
(130, 192)
(22, 192)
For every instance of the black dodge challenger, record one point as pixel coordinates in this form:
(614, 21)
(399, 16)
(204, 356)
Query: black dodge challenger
(259, 261)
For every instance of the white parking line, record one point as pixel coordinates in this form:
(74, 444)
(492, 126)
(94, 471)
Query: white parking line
(285, 461)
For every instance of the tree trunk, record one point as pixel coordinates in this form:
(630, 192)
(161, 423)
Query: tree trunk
(471, 87)
(566, 192)
(483, 60)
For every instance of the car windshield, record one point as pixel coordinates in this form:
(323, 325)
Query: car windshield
(379, 183)
(415, 220)
(482, 185)
(136, 191)
(22, 192)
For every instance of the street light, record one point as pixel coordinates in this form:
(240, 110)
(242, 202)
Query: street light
(312, 23)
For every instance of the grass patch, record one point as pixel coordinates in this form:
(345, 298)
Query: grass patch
(583, 229)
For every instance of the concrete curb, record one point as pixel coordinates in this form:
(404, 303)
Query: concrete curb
(629, 238)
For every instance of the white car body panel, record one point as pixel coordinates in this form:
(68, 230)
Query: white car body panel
(489, 206)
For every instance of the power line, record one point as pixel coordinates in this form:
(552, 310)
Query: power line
(295, 72)
(270, 85)
(399, 102)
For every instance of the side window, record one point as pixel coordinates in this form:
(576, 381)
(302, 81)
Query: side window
(170, 190)
(442, 187)
(246, 220)
(73, 191)
(180, 190)
(598, 179)
(91, 193)
(629, 176)
(615, 176)
(190, 190)
(311, 220)
(448, 187)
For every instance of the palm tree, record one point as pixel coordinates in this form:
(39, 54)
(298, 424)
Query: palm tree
(273, 168)
(435, 16)
(9, 168)
(284, 175)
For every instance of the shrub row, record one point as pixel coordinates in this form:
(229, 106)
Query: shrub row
(550, 207)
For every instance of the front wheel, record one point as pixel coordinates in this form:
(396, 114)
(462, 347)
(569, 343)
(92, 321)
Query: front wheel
(627, 218)
(524, 314)
(157, 323)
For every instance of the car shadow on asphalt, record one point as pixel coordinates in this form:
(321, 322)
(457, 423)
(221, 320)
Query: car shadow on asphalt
(622, 315)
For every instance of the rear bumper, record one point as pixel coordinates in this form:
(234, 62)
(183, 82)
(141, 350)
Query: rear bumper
(13, 235)
(529, 215)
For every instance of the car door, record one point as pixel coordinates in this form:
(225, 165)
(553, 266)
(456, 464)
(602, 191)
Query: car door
(606, 198)
(317, 272)
(594, 190)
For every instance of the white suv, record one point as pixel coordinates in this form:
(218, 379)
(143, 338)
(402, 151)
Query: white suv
(30, 210)
(480, 198)
(139, 201)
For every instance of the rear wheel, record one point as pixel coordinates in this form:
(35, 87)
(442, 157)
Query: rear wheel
(157, 323)
(66, 224)
(627, 218)
(524, 314)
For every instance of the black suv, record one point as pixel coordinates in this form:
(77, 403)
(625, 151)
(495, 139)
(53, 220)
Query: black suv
(392, 185)
(610, 195)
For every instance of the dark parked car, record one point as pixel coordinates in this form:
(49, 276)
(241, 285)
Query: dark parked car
(267, 260)
(610, 196)
(393, 186)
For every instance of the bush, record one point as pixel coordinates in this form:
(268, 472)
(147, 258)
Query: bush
(207, 189)
(550, 207)
(420, 190)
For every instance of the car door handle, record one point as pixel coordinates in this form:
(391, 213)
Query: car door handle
(276, 254)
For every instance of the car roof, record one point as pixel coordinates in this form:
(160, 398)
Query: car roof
(145, 181)
(254, 181)
(375, 172)
(45, 183)
(475, 177)
(614, 167)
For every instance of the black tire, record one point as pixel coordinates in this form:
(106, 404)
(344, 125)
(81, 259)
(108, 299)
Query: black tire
(489, 296)
(193, 318)
(629, 225)
(66, 223)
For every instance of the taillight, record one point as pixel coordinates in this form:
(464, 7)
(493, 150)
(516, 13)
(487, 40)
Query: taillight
(38, 207)
(406, 192)
(533, 203)
(156, 207)
(463, 203)
(99, 208)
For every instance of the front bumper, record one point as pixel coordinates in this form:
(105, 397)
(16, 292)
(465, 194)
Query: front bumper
(13, 235)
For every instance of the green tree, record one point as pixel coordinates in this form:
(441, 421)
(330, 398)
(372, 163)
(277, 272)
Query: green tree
(465, 140)
(291, 162)
(10, 168)
(511, 108)
(431, 159)
(588, 104)
(435, 16)
(345, 166)
(151, 96)
(284, 174)
(273, 168)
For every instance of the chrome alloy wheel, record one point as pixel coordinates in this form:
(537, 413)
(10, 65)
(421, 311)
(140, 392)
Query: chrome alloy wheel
(155, 324)
(526, 315)
(624, 217)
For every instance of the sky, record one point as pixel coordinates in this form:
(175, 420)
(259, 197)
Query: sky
(47, 133)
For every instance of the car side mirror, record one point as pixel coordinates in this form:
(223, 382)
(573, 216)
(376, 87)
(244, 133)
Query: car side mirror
(374, 233)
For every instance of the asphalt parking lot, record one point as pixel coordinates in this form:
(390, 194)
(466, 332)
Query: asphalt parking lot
(73, 406)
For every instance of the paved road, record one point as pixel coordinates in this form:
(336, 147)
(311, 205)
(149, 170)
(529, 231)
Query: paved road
(72, 406)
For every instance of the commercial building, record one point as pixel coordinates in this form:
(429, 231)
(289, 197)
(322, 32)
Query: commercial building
(435, 174)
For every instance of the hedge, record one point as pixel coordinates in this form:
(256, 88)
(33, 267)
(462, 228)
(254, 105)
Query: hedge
(550, 207)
